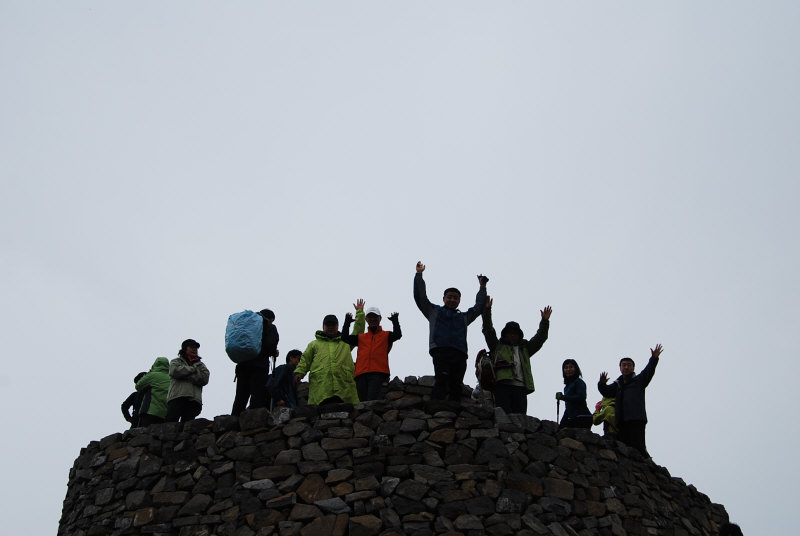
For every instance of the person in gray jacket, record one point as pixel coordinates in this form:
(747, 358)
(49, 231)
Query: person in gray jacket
(628, 390)
(187, 375)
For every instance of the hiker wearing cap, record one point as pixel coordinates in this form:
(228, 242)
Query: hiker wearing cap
(628, 390)
(511, 357)
(187, 375)
(251, 376)
(447, 339)
(372, 362)
(329, 364)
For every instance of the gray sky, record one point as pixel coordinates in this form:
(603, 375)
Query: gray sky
(634, 166)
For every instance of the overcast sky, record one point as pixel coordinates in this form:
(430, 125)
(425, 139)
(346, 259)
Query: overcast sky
(633, 165)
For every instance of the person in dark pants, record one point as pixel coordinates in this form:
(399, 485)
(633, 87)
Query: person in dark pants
(511, 357)
(251, 376)
(187, 375)
(628, 389)
(447, 341)
(372, 362)
(133, 401)
(576, 412)
(281, 386)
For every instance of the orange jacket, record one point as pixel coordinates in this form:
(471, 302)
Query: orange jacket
(373, 352)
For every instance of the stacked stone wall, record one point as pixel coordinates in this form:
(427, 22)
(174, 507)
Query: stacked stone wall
(403, 465)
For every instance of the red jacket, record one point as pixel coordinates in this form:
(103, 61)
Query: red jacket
(373, 352)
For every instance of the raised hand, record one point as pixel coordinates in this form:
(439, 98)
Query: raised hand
(655, 352)
(546, 312)
(359, 305)
(482, 280)
(489, 302)
(604, 378)
(394, 316)
(420, 267)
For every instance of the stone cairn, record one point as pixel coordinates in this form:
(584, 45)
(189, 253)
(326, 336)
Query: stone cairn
(405, 465)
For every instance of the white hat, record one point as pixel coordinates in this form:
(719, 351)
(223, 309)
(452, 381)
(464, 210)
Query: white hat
(374, 311)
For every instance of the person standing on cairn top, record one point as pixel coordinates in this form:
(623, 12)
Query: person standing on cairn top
(134, 402)
(628, 389)
(329, 364)
(187, 375)
(156, 383)
(281, 386)
(447, 341)
(372, 363)
(251, 376)
(511, 356)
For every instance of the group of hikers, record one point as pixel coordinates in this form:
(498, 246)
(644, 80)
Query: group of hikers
(172, 390)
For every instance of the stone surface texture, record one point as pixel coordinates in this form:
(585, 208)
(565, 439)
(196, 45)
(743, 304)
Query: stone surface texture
(404, 465)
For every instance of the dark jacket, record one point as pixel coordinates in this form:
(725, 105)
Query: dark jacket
(575, 399)
(281, 386)
(629, 394)
(447, 327)
(130, 408)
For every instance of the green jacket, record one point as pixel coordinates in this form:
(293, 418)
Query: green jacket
(187, 380)
(502, 351)
(605, 414)
(158, 382)
(330, 367)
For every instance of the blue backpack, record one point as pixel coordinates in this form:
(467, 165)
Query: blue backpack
(243, 336)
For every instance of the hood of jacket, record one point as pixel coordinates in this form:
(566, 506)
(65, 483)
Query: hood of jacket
(161, 364)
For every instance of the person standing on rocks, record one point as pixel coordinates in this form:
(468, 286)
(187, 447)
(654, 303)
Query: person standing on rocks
(447, 340)
(281, 386)
(628, 389)
(511, 357)
(576, 412)
(187, 375)
(156, 383)
(133, 403)
(372, 362)
(329, 364)
(251, 376)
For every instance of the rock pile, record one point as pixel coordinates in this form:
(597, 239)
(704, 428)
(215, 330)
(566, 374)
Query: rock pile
(403, 465)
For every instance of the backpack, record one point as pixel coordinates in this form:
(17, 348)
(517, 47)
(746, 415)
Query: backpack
(484, 369)
(243, 336)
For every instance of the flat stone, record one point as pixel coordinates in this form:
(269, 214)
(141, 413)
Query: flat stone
(333, 506)
(264, 483)
(313, 489)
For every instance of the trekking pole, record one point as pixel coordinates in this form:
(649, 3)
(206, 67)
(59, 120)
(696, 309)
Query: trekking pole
(558, 409)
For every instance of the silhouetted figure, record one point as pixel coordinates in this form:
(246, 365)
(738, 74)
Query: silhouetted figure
(576, 413)
(511, 356)
(447, 340)
(374, 345)
(187, 375)
(628, 389)
(251, 376)
(133, 401)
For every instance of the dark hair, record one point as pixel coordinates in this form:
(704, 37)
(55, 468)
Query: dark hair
(627, 359)
(293, 353)
(186, 344)
(451, 289)
(730, 529)
(268, 314)
(574, 364)
(138, 377)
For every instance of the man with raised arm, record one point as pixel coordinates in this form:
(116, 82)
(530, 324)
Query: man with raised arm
(447, 341)
(628, 390)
